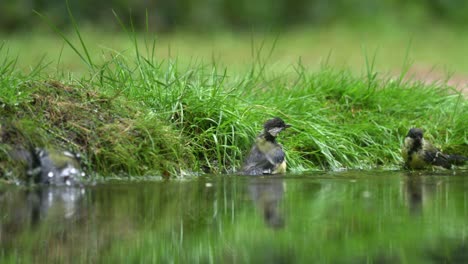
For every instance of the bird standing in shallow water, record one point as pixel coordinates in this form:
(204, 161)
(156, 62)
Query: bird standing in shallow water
(267, 156)
(419, 153)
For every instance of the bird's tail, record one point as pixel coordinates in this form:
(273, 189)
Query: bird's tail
(457, 159)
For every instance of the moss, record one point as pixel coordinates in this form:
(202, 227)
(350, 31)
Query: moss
(113, 135)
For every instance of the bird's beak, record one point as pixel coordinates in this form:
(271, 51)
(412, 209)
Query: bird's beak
(287, 125)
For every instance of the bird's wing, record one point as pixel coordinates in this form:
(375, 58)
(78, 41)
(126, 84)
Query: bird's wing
(276, 155)
(437, 158)
(434, 156)
(457, 159)
(257, 163)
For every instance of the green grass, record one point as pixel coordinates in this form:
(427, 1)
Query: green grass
(137, 113)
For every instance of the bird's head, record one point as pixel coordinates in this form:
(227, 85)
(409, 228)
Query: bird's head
(415, 133)
(274, 126)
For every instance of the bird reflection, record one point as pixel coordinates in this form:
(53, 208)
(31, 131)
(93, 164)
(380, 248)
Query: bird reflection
(418, 189)
(267, 193)
(414, 193)
(24, 209)
(61, 202)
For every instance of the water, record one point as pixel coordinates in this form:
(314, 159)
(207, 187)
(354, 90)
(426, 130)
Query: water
(346, 217)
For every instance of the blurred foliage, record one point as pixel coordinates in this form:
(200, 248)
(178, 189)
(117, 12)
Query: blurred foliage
(168, 15)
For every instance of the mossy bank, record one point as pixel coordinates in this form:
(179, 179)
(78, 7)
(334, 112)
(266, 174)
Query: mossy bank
(136, 116)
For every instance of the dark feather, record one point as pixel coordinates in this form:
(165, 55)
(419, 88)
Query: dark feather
(457, 159)
(437, 158)
(257, 163)
(276, 155)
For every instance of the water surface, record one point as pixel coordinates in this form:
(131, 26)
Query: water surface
(345, 217)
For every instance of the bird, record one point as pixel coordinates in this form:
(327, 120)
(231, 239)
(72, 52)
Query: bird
(267, 156)
(419, 153)
(59, 167)
(49, 166)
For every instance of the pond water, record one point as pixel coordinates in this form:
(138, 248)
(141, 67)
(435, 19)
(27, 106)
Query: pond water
(335, 217)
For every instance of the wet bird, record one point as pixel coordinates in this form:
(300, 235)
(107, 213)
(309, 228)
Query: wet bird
(59, 167)
(51, 167)
(267, 156)
(419, 153)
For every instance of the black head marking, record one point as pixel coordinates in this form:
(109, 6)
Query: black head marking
(275, 123)
(415, 133)
(273, 127)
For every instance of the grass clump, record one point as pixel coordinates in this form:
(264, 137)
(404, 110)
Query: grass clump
(363, 124)
(113, 135)
(136, 115)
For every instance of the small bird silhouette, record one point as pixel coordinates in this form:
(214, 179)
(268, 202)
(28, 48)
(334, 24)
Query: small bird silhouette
(49, 166)
(419, 153)
(267, 156)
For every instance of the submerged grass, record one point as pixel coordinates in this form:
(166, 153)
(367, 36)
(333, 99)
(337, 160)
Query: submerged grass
(137, 115)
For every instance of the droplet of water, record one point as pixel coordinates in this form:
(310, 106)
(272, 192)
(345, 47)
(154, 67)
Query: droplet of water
(50, 174)
(68, 154)
(366, 194)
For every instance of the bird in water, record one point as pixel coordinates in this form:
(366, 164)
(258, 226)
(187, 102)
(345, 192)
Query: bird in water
(50, 166)
(419, 153)
(267, 156)
(59, 167)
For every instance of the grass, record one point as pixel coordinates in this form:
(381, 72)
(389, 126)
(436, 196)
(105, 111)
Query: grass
(136, 113)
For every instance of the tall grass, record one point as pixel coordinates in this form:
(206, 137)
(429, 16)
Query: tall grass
(140, 115)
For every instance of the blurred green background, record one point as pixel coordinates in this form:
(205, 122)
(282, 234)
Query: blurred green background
(207, 15)
(429, 36)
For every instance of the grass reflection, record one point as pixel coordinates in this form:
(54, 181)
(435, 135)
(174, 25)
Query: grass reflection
(348, 217)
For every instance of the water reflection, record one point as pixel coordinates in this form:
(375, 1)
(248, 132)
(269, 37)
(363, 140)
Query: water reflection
(367, 218)
(414, 193)
(26, 209)
(61, 202)
(266, 193)
(420, 189)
